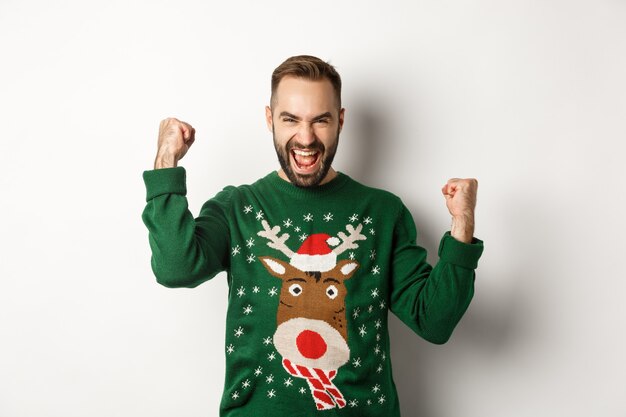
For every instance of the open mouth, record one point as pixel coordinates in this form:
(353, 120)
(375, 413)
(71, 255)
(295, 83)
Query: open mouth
(305, 161)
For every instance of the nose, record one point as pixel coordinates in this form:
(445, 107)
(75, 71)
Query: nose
(306, 136)
(310, 344)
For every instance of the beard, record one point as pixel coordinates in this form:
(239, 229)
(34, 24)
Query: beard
(308, 180)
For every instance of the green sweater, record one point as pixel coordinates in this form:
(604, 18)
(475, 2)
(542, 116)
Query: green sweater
(311, 276)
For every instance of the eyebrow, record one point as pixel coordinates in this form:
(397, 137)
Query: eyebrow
(331, 280)
(327, 115)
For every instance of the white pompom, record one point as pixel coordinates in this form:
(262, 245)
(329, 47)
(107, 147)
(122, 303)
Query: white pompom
(333, 241)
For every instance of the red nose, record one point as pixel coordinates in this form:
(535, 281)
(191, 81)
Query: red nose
(310, 344)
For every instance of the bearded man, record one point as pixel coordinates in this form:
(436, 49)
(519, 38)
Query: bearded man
(314, 261)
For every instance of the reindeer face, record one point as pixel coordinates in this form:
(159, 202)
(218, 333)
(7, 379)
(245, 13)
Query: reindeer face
(311, 319)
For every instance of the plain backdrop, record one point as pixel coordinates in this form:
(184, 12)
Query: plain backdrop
(529, 97)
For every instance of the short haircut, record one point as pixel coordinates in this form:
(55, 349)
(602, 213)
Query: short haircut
(309, 68)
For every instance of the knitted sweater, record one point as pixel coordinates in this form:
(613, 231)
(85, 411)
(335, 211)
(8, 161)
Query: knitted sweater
(311, 276)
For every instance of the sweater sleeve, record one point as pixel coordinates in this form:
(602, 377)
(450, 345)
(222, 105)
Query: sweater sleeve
(185, 251)
(431, 301)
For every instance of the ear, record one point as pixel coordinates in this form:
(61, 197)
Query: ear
(268, 117)
(342, 112)
(277, 267)
(346, 268)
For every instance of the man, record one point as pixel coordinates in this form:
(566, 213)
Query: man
(314, 261)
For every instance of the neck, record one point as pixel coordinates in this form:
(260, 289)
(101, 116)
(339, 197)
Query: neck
(329, 176)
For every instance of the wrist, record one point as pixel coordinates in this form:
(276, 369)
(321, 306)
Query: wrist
(163, 160)
(463, 228)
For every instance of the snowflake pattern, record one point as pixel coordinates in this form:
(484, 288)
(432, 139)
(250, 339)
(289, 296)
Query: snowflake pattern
(303, 237)
(247, 209)
(372, 254)
(375, 293)
(377, 349)
(236, 250)
(367, 220)
(355, 313)
(271, 393)
(241, 291)
(378, 323)
(381, 399)
(376, 270)
(372, 232)
(271, 356)
(362, 331)
(230, 349)
(353, 403)
(247, 309)
(238, 332)
(255, 289)
(245, 384)
(250, 242)
(308, 217)
(301, 390)
(259, 215)
(272, 292)
(258, 371)
(370, 308)
(351, 256)
(328, 217)
(297, 229)
(288, 382)
(251, 258)
(382, 304)
(353, 218)
(375, 388)
(267, 340)
(235, 395)
(269, 379)
(287, 223)
(379, 369)
(356, 362)
(369, 402)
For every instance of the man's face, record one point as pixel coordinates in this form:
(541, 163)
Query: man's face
(305, 121)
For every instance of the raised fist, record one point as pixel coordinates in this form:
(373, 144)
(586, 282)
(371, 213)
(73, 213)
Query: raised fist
(175, 139)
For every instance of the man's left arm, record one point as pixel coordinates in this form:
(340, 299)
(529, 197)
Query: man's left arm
(431, 301)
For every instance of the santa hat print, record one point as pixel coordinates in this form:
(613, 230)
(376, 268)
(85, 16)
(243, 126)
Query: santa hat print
(315, 253)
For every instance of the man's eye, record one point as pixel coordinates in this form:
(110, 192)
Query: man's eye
(323, 121)
(288, 120)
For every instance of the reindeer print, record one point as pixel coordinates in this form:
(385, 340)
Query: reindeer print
(311, 333)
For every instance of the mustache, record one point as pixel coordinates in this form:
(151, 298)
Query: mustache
(315, 146)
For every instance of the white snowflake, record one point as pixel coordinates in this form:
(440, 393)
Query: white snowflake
(267, 340)
(375, 293)
(372, 254)
(259, 215)
(369, 402)
(250, 258)
(370, 308)
(351, 256)
(353, 403)
(255, 289)
(381, 399)
(367, 220)
(269, 379)
(372, 232)
(235, 395)
(378, 324)
(377, 349)
(378, 337)
(354, 218)
(245, 384)
(328, 217)
(236, 250)
(239, 331)
(247, 209)
(302, 237)
(379, 369)
(271, 393)
(301, 390)
(241, 291)
(376, 270)
(272, 292)
(247, 309)
(297, 229)
(308, 217)
(288, 382)
(230, 349)
(287, 223)
(250, 242)
(355, 314)
(258, 371)
(375, 388)
(382, 304)
(271, 356)
(362, 331)
(356, 362)
(383, 356)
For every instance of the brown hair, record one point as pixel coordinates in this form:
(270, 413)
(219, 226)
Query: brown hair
(309, 68)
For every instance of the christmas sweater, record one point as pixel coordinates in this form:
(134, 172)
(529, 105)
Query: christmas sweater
(312, 274)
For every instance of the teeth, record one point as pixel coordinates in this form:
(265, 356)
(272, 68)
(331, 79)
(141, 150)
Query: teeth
(304, 153)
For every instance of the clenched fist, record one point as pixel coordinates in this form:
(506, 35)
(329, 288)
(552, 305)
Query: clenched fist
(175, 139)
(460, 197)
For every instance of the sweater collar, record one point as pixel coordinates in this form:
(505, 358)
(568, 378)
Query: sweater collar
(281, 185)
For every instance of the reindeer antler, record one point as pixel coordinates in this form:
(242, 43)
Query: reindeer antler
(275, 241)
(348, 241)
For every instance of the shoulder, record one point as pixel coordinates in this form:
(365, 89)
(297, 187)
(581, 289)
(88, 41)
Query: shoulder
(379, 195)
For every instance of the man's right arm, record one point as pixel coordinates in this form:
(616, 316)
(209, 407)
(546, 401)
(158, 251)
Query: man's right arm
(185, 251)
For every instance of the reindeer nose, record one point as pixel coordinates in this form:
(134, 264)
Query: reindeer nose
(310, 344)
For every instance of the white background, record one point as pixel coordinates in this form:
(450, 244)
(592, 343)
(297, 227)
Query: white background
(527, 96)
